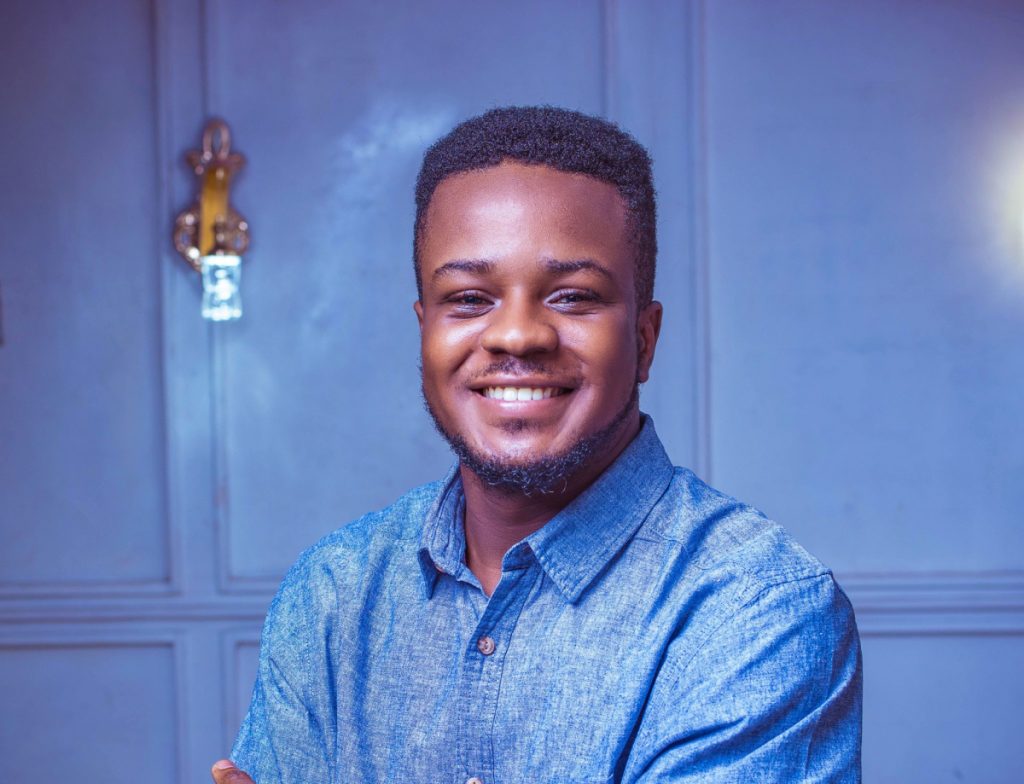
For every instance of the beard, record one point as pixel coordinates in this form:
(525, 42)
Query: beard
(535, 475)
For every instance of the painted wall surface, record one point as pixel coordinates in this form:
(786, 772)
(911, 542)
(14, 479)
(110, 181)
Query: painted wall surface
(841, 194)
(865, 196)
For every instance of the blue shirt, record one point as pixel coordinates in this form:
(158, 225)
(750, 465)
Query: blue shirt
(655, 630)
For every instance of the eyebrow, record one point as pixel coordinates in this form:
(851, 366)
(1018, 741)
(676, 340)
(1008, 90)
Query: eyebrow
(472, 266)
(567, 267)
(554, 266)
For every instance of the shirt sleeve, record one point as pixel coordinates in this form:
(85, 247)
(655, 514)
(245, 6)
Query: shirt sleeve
(772, 695)
(288, 734)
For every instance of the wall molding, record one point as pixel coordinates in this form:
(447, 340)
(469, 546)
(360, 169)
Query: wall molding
(696, 83)
(885, 602)
(163, 79)
(945, 623)
(940, 602)
(999, 588)
(86, 588)
(609, 58)
(135, 612)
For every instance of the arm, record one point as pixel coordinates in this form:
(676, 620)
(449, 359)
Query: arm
(773, 695)
(288, 732)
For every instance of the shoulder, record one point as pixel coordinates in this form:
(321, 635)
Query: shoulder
(352, 552)
(399, 521)
(742, 579)
(764, 670)
(729, 540)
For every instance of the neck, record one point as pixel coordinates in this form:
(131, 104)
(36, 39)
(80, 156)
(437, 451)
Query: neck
(496, 519)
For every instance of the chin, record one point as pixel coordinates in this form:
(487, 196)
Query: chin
(529, 471)
(524, 473)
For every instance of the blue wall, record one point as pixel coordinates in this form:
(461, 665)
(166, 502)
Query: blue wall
(842, 212)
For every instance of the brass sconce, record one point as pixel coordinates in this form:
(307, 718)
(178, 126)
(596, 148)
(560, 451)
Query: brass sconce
(210, 235)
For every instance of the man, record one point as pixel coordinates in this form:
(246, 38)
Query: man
(565, 606)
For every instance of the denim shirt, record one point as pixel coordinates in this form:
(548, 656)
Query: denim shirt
(655, 630)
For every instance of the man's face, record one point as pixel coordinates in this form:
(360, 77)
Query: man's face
(532, 343)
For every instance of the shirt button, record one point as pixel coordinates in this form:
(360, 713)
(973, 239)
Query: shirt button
(486, 646)
(474, 780)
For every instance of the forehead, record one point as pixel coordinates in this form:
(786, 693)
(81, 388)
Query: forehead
(521, 208)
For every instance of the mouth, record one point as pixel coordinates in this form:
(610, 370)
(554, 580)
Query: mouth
(511, 394)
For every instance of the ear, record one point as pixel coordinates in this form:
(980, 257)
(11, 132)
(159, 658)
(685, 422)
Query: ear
(418, 307)
(648, 327)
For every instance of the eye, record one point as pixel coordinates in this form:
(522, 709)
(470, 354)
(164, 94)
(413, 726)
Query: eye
(574, 299)
(468, 303)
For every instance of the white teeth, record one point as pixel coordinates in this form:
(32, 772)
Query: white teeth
(521, 393)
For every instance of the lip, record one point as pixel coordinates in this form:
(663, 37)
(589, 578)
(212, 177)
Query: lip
(523, 381)
(542, 393)
(545, 401)
(519, 407)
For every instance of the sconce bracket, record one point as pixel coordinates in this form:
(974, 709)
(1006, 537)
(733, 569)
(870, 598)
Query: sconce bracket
(231, 235)
(211, 225)
(211, 235)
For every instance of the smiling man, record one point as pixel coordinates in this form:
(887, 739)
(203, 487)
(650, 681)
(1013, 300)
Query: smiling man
(564, 606)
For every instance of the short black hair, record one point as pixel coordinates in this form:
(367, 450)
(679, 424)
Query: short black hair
(563, 139)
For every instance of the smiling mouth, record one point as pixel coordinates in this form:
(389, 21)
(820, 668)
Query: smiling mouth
(509, 394)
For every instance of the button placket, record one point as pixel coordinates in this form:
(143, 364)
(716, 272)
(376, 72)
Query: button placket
(483, 667)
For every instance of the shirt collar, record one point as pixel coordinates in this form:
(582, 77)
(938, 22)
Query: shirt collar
(576, 544)
(443, 540)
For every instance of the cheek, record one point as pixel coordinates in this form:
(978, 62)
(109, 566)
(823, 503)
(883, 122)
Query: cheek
(608, 349)
(445, 348)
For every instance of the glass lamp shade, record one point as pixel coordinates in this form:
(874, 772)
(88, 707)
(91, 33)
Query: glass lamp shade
(222, 275)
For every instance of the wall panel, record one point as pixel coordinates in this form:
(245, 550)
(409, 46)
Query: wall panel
(937, 708)
(319, 410)
(99, 710)
(82, 472)
(866, 286)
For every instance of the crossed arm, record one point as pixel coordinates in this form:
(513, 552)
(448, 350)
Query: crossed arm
(225, 772)
(773, 695)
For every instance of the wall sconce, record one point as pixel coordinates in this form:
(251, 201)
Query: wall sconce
(210, 235)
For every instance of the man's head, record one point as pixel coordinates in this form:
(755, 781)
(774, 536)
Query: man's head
(535, 306)
(562, 139)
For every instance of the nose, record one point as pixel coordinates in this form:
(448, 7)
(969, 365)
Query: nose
(518, 327)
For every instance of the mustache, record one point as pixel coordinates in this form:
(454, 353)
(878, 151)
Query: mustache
(518, 366)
